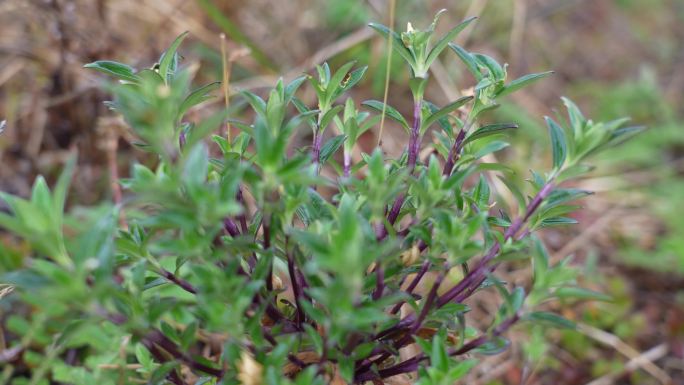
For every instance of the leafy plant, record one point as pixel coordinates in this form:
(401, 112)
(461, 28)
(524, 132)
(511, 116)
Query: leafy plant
(282, 274)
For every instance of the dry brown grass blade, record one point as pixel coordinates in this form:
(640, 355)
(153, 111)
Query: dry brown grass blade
(626, 350)
(635, 363)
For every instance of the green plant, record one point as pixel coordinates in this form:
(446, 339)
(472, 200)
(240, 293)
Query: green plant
(240, 254)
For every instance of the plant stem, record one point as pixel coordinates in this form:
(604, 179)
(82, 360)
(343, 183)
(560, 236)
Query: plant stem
(183, 284)
(231, 227)
(316, 149)
(475, 277)
(347, 164)
(413, 150)
(243, 215)
(414, 139)
(294, 280)
(455, 151)
(479, 270)
(267, 246)
(411, 364)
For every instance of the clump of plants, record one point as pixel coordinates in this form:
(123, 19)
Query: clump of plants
(246, 259)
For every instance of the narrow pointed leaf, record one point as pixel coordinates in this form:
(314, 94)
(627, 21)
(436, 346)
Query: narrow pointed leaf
(491, 129)
(446, 110)
(558, 144)
(581, 293)
(446, 39)
(118, 70)
(166, 63)
(331, 146)
(389, 111)
(522, 82)
(551, 319)
(196, 97)
(467, 59)
(397, 44)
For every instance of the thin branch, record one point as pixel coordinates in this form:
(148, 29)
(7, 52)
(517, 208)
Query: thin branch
(294, 280)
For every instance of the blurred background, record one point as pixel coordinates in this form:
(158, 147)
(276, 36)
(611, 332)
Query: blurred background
(613, 57)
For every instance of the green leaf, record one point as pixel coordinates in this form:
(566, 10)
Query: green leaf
(551, 319)
(397, 44)
(558, 143)
(446, 39)
(495, 70)
(439, 358)
(330, 147)
(558, 221)
(143, 357)
(459, 369)
(353, 78)
(522, 82)
(581, 293)
(446, 110)
(389, 111)
(469, 60)
(335, 86)
(563, 195)
(166, 64)
(292, 87)
(494, 146)
(196, 97)
(62, 185)
(577, 120)
(481, 192)
(118, 70)
(257, 103)
(196, 165)
(328, 117)
(622, 134)
(490, 129)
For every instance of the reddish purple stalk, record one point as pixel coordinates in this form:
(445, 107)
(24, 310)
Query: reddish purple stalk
(347, 164)
(316, 148)
(413, 150)
(411, 364)
(460, 292)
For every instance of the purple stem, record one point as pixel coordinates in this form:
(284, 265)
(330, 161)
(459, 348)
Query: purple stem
(411, 364)
(173, 376)
(316, 148)
(455, 151)
(412, 286)
(296, 288)
(414, 139)
(474, 278)
(231, 227)
(381, 230)
(413, 150)
(183, 284)
(267, 246)
(243, 216)
(476, 275)
(347, 164)
(432, 296)
(156, 338)
(408, 337)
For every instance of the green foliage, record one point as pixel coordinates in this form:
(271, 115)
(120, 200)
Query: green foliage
(289, 275)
